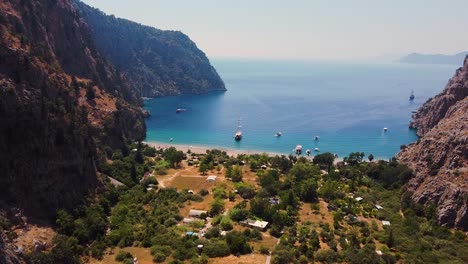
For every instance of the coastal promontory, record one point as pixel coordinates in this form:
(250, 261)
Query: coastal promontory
(156, 62)
(440, 157)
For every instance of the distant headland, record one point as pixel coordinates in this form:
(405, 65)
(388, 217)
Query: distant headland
(419, 58)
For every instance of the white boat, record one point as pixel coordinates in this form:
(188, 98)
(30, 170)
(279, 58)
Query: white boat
(316, 138)
(317, 149)
(278, 134)
(298, 149)
(238, 135)
(308, 152)
(180, 110)
(171, 139)
(385, 129)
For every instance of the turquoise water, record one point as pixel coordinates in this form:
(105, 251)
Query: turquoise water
(347, 105)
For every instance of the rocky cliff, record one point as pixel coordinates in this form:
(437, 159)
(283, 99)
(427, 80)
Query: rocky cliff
(157, 62)
(7, 254)
(59, 101)
(440, 157)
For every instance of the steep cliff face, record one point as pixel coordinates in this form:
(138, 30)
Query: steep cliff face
(157, 62)
(7, 254)
(435, 109)
(49, 124)
(440, 157)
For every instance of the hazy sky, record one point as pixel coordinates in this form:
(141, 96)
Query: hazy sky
(306, 29)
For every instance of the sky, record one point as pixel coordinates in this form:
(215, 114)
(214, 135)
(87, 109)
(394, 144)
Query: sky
(306, 29)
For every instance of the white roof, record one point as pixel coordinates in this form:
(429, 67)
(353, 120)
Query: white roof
(379, 252)
(386, 223)
(359, 199)
(189, 220)
(256, 223)
(211, 178)
(197, 212)
(379, 207)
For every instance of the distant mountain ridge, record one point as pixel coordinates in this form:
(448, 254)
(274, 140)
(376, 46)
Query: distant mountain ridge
(418, 58)
(156, 62)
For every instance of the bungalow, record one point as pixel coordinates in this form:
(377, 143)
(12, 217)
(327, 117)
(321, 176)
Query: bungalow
(359, 199)
(196, 213)
(379, 207)
(386, 223)
(188, 220)
(260, 225)
(211, 178)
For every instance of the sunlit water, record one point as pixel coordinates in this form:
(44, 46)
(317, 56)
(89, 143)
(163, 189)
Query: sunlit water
(346, 105)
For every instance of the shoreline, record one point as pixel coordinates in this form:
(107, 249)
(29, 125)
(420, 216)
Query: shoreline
(201, 149)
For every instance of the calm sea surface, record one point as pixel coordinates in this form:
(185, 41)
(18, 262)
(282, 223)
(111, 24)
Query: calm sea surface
(347, 105)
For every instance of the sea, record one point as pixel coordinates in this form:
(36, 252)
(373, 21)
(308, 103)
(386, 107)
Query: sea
(346, 105)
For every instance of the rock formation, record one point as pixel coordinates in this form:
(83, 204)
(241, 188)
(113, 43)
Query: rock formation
(440, 158)
(7, 253)
(50, 123)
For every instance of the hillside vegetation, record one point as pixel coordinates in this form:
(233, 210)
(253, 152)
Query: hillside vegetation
(354, 213)
(156, 62)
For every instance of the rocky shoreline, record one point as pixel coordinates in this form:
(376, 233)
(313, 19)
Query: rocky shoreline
(440, 158)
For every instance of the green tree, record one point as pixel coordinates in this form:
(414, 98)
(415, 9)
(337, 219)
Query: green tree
(354, 158)
(173, 156)
(203, 169)
(325, 159)
(308, 190)
(236, 174)
(216, 207)
(238, 243)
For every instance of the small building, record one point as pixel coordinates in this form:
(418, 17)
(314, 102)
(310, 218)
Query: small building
(196, 213)
(380, 253)
(359, 199)
(386, 223)
(190, 191)
(264, 167)
(379, 207)
(188, 220)
(260, 225)
(211, 178)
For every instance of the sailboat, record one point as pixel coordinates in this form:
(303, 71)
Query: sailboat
(411, 96)
(238, 135)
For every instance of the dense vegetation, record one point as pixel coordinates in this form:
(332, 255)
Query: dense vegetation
(348, 230)
(157, 62)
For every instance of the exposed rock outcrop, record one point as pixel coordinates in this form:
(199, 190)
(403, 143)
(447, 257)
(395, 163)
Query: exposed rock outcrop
(49, 126)
(435, 109)
(7, 252)
(440, 157)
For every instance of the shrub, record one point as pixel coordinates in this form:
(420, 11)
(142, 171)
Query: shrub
(264, 250)
(123, 255)
(217, 249)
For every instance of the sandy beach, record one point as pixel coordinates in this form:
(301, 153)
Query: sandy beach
(202, 149)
